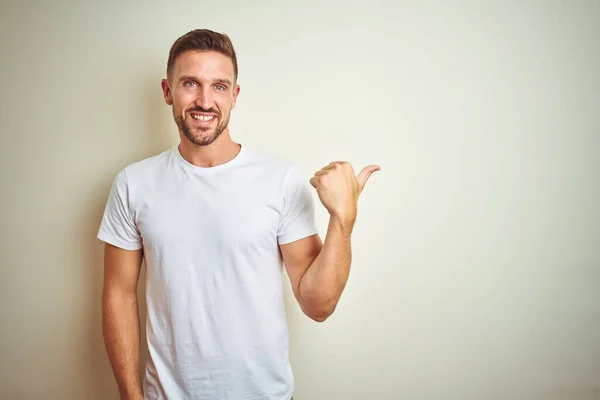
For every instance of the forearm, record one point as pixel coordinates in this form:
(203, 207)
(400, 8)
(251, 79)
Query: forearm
(121, 330)
(323, 282)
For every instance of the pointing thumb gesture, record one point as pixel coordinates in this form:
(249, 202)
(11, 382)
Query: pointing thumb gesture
(364, 175)
(338, 187)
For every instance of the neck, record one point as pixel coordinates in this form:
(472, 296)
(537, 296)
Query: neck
(219, 152)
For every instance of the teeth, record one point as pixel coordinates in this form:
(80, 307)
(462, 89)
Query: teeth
(203, 117)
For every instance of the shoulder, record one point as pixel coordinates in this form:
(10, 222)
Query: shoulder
(150, 163)
(145, 168)
(267, 164)
(288, 177)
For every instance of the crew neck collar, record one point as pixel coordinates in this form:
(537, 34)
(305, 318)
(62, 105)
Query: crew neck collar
(234, 161)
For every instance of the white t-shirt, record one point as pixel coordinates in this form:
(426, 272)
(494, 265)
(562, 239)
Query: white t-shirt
(216, 323)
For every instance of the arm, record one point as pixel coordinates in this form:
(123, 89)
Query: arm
(120, 318)
(319, 272)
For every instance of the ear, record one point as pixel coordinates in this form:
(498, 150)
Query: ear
(236, 91)
(167, 92)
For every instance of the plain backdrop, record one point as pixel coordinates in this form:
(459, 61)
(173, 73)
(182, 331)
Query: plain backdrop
(476, 266)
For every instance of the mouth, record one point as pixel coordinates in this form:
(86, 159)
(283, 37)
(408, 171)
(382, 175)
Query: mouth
(203, 119)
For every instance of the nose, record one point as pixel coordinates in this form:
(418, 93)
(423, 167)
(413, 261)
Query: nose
(204, 98)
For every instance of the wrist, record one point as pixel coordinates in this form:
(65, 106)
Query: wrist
(344, 220)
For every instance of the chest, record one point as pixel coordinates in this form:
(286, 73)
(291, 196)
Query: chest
(203, 215)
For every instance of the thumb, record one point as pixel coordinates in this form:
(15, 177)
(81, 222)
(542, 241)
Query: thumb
(365, 174)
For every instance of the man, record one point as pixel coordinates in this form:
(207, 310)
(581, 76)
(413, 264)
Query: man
(214, 221)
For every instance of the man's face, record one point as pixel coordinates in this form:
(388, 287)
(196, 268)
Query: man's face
(203, 92)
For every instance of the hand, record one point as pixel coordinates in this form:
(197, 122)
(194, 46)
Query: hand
(338, 188)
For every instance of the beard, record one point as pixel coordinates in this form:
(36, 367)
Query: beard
(197, 135)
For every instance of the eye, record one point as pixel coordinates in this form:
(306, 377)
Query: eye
(189, 83)
(220, 87)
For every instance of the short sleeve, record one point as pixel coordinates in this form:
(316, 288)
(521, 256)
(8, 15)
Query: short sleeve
(298, 216)
(118, 225)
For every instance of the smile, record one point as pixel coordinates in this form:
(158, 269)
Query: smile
(203, 117)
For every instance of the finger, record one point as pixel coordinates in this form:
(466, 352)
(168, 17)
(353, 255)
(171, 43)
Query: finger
(321, 172)
(335, 164)
(364, 175)
(314, 181)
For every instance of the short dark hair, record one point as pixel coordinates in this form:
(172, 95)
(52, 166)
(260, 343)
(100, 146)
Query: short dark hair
(202, 40)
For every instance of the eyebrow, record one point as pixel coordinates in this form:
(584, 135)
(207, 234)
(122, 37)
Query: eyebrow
(193, 78)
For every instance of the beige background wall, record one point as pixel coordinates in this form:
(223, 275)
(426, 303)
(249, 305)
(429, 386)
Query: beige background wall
(476, 265)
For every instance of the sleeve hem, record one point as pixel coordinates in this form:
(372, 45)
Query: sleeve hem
(118, 242)
(297, 235)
